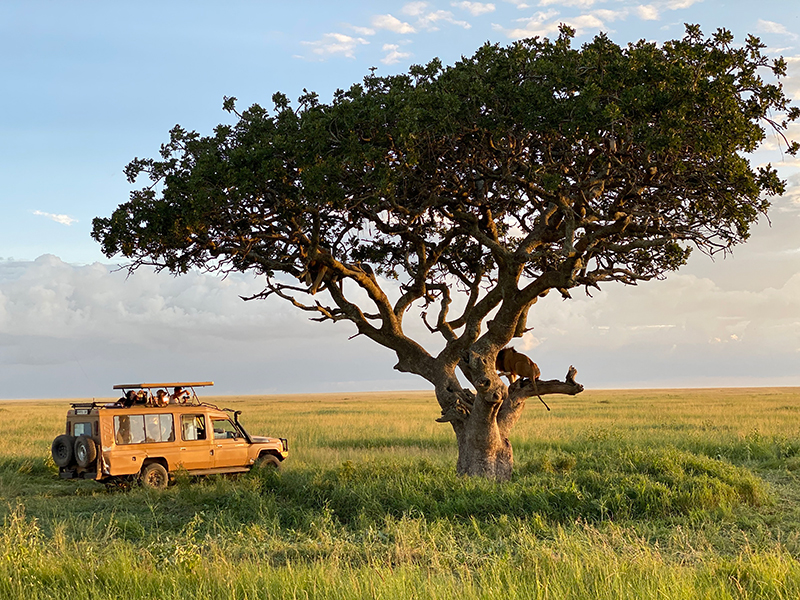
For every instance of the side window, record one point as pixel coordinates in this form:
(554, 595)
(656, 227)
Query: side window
(223, 429)
(167, 428)
(159, 428)
(129, 429)
(136, 429)
(83, 429)
(193, 427)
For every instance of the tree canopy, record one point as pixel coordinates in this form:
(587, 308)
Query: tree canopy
(522, 169)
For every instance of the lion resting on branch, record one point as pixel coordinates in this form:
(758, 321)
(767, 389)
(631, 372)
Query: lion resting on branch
(513, 364)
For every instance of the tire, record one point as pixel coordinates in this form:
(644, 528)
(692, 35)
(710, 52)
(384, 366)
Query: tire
(63, 450)
(85, 451)
(154, 476)
(268, 461)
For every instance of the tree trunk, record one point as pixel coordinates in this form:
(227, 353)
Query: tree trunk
(482, 423)
(484, 452)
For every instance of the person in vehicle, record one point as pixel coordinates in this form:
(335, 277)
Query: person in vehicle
(123, 434)
(179, 396)
(162, 399)
(129, 399)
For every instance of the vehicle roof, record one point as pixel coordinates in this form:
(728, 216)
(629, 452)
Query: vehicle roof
(94, 408)
(147, 386)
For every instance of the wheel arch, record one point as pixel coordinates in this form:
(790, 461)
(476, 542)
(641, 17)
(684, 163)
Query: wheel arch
(267, 451)
(155, 459)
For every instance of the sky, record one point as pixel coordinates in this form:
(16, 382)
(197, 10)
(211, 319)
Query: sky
(89, 85)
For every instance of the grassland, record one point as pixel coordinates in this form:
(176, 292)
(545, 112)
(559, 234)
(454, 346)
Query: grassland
(617, 494)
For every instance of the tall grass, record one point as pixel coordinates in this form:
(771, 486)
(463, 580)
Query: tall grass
(668, 494)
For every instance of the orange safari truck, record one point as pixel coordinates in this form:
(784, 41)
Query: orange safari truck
(148, 435)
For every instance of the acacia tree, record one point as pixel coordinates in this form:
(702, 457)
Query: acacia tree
(481, 186)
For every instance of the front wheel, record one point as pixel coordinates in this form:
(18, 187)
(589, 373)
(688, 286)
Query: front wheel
(154, 476)
(268, 462)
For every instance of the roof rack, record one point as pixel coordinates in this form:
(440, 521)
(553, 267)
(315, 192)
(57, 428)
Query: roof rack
(149, 386)
(87, 405)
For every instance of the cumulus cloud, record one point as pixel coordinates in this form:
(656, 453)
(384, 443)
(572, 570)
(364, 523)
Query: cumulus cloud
(363, 30)
(393, 54)
(333, 44)
(647, 12)
(69, 330)
(679, 4)
(610, 15)
(543, 24)
(391, 23)
(77, 330)
(578, 3)
(763, 26)
(414, 9)
(686, 325)
(63, 219)
(793, 190)
(429, 19)
(475, 8)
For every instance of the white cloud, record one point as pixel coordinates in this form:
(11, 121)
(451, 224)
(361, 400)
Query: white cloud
(63, 219)
(542, 24)
(578, 3)
(520, 4)
(475, 8)
(393, 54)
(609, 15)
(647, 12)
(672, 323)
(414, 9)
(793, 189)
(392, 24)
(771, 27)
(679, 4)
(430, 20)
(363, 30)
(77, 330)
(333, 44)
(69, 330)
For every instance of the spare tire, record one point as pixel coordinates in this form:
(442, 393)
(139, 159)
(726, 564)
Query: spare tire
(85, 451)
(63, 450)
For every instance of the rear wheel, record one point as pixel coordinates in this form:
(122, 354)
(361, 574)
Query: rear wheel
(85, 451)
(63, 450)
(154, 476)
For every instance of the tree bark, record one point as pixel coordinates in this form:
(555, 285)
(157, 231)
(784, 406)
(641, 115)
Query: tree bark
(482, 427)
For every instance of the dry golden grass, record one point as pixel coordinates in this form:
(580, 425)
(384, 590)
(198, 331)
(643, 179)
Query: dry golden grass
(327, 429)
(618, 494)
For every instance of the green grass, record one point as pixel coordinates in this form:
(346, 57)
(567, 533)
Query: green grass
(656, 494)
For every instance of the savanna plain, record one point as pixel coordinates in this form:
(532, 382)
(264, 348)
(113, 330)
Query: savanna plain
(617, 494)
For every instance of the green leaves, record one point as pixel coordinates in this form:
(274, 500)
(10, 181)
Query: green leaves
(572, 166)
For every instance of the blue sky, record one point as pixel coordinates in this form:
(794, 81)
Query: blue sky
(90, 85)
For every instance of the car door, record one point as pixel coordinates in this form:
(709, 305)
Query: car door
(196, 450)
(230, 448)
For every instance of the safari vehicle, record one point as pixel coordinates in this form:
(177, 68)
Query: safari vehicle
(142, 437)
